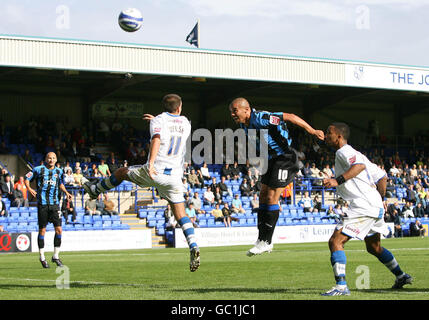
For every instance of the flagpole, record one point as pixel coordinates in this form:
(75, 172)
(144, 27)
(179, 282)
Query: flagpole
(198, 28)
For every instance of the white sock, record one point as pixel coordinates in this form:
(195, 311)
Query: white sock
(42, 254)
(56, 253)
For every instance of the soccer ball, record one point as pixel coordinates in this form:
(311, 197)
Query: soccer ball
(130, 19)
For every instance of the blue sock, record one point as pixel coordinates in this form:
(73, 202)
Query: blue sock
(338, 262)
(387, 258)
(188, 231)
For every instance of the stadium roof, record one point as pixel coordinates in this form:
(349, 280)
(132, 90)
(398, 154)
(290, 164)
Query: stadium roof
(96, 70)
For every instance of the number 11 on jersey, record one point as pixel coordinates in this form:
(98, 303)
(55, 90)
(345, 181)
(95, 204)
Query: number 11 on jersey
(174, 145)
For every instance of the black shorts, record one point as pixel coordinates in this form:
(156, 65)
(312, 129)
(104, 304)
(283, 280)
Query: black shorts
(281, 170)
(48, 213)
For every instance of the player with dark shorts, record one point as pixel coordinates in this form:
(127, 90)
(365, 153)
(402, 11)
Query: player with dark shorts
(282, 163)
(49, 181)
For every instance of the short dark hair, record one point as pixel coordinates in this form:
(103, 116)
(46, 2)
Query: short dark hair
(342, 129)
(171, 102)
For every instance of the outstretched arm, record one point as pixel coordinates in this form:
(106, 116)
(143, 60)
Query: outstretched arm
(290, 117)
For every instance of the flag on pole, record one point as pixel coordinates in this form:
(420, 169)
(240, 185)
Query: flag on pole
(194, 36)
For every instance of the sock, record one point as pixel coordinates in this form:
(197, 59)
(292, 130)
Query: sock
(338, 262)
(107, 184)
(188, 231)
(268, 214)
(41, 244)
(387, 258)
(57, 245)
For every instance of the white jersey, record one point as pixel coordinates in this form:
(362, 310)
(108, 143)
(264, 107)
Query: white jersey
(361, 190)
(174, 131)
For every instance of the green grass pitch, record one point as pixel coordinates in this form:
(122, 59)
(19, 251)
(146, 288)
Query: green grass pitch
(290, 272)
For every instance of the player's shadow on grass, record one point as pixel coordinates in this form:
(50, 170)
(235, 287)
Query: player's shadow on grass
(398, 291)
(303, 291)
(72, 285)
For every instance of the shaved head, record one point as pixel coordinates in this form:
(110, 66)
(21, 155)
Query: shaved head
(240, 102)
(240, 110)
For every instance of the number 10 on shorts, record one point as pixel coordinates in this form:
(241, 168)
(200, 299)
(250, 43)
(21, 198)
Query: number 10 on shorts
(283, 175)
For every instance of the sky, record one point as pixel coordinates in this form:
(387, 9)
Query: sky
(383, 31)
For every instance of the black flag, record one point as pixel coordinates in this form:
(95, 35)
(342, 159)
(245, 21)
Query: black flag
(193, 36)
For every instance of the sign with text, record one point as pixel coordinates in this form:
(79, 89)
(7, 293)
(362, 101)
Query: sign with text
(15, 242)
(387, 77)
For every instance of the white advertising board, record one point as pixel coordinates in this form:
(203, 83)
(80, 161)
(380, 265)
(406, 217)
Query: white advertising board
(387, 77)
(97, 240)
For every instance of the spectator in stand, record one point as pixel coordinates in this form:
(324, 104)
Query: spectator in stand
(112, 165)
(103, 168)
(214, 185)
(314, 171)
(338, 210)
(394, 170)
(96, 173)
(78, 177)
(327, 172)
(69, 178)
(68, 167)
(223, 187)
(413, 172)
(407, 211)
(109, 206)
(254, 203)
(411, 194)
(200, 178)
(317, 204)
(191, 213)
(20, 185)
(208, 197)
(218, 215)
(205, 172)
(85, 170)
(193, 180)
(306, 171)
(67, 208)
(306, 203)
(245, 188)
(227, 213)
(226, 171)
(196, 202)
(235, 171)
(417, 229)
(8, 190)
(77, 166)
(332, 214)
(186, 186)
(91, 207)
(418, 211)
(2, 228)
(3, 210)
(100, 204)
(218, 195)
(236, 205)
(397, 220)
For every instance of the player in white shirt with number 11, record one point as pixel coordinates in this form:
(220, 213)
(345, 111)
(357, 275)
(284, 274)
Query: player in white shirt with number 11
(360, 182)
(164, 169)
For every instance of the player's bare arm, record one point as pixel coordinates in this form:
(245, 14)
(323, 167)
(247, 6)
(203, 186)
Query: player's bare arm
(63, 189)
(148, 116)
(30, 189)
(349, 174)
(290, 117)
(153, 152)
